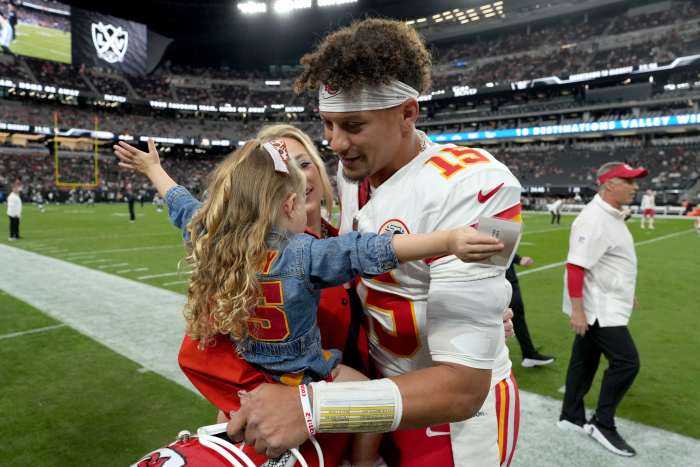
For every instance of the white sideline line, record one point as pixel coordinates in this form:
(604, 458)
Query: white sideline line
(644, 242)
(663, 237)
(78, 255)
(69, 257)
(526, 232)
(118, 265)
(131, 270)
(165, 274)
(95, 261)
(31, 331)
(174, 283)
(541, 268)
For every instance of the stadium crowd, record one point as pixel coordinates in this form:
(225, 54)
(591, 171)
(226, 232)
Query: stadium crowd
(674, 166)
(562, 33)
(568, 47)
(35, 170)
(560, 49)
(674, 163)
(58, 74)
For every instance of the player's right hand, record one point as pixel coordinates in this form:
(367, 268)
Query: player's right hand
(469, 245)
(135, 159)
(270, 418)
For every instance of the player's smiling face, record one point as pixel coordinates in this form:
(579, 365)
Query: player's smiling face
(366, 142)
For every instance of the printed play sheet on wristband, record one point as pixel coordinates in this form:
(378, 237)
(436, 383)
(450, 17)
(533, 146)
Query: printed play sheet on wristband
(357, 409)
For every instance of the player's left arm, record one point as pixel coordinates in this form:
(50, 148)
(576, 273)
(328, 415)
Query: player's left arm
(466, 302)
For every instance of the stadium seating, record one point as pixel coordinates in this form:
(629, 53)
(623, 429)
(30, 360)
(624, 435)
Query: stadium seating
(560, 49)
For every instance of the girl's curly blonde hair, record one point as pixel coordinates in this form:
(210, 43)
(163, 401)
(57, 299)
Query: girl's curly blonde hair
(227, 245)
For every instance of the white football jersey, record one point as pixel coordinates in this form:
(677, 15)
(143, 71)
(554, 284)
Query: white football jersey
(440, 309)
(648, 202)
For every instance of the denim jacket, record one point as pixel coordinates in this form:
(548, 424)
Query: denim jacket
(284, 338)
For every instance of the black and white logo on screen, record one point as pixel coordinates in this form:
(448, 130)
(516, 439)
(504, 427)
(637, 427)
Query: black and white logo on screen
(110, 42)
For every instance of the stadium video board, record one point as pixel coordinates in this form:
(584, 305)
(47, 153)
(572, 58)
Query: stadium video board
(38, 28)
(108, 42)
(54, 31)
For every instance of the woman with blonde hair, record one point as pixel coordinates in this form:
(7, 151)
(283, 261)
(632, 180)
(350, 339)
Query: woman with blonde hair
(319, 194)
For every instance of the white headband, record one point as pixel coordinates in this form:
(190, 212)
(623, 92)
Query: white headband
(379, 97)
(278, 151)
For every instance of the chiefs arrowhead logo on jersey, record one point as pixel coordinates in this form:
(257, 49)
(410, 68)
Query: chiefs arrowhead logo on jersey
(393, 226)
(164, 457)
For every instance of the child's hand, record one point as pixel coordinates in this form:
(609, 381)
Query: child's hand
(469, 245)
(135, 159)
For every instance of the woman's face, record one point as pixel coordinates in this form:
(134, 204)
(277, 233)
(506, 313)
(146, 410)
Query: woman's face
(314, 190)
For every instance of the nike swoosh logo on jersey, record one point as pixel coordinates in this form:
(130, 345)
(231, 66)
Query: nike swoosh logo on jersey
(485, 197)
(431, 434)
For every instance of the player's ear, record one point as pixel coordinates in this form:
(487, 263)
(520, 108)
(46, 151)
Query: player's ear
(409, 114)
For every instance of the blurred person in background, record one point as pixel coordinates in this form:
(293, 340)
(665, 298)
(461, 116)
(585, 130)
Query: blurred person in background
(14, 211)
(648, 207)
(531, 357)
(158, 202)
(130, 198)
(6, 33)
(555, 210)
(38, 199)
(12, 19)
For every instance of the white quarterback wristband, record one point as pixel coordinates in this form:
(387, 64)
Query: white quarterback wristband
(306, 408)
(355, 407)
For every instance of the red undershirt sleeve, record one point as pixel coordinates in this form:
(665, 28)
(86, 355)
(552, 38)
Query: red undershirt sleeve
(574, 280)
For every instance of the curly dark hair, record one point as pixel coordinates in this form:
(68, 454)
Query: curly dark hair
(367, 53)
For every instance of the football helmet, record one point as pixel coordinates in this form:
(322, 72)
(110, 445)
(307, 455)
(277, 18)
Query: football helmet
(210, 447)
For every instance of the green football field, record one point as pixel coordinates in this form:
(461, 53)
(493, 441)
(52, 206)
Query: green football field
(64, 395)
(41, 42)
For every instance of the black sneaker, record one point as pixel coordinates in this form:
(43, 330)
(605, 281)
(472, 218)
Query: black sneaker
(609, 438)
(536, 359)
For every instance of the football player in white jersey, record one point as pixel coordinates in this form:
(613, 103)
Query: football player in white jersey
(436, 329)
(648, 209)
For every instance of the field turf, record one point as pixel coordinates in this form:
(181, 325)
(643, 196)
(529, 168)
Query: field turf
(65, 396)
